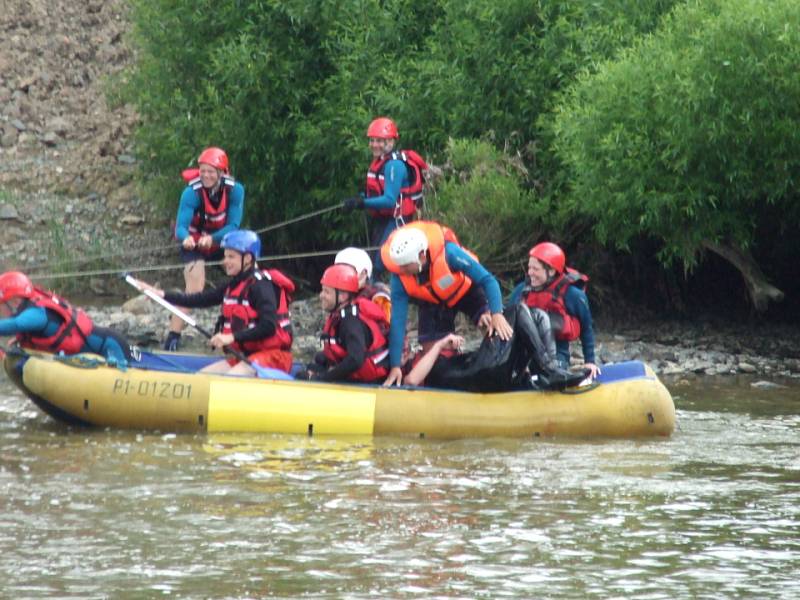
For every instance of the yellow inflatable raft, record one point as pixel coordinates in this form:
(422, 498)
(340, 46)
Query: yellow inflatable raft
(164, 392)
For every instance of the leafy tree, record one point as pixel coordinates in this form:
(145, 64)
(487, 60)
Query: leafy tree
(483, 196)
(692, 135)
(287, 88)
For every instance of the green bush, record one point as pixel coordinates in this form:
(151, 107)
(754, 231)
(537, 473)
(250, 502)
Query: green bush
(484, 198)
(288, 88)
(692, 134)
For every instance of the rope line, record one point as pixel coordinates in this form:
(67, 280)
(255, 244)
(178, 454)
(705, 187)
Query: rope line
(155, 250)
(98, 272)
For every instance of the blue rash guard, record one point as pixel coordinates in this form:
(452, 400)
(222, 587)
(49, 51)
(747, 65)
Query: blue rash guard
(577, 304)
(37, 320)
(191, 202)
(395, 175)
(457, 260)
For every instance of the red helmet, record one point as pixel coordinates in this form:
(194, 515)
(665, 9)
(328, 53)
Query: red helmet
(15, 285)
(382, 127)
(215, 157)
(341, 277)
(550, 254)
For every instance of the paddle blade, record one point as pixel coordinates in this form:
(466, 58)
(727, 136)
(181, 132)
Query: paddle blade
(270, 373)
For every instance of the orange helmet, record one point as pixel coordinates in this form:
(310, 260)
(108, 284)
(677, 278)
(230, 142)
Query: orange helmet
(15, 285)
(550, 254)
(341, 277)
(382, 127)
(215, 157)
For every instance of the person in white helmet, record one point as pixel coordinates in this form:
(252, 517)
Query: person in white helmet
(378, 292)
(430, 266)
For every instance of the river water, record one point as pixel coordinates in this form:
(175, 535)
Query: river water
(713, 512)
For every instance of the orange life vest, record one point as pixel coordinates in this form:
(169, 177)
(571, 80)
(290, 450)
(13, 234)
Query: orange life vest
(374, 366)
(70, 336)
(566, 327)
(237, 314)
(444, 286)
(410, 198)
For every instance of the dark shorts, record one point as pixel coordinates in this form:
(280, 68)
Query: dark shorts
(188, 256)
(437, 320)
(380, 229)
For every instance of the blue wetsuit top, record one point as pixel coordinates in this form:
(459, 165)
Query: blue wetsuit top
(457, 260)
(191, 202)
(577, 304)
(35, 319)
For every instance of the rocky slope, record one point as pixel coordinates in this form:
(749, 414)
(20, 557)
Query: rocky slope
(66, 164)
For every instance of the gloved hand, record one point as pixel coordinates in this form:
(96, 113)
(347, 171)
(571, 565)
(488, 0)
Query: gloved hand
(353, 203)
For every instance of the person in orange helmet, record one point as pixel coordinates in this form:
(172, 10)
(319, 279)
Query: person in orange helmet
(394, 187)
(42, 320)
(211, 206)
(355, 346)
(555, 294)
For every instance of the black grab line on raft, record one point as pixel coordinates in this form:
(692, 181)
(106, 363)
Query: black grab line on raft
(310, 429)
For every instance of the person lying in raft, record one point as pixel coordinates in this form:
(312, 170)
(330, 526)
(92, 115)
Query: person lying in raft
(43, 321)
(254, 305)
(354, 335)
(378, 292)
(555, 294)
(526, 361)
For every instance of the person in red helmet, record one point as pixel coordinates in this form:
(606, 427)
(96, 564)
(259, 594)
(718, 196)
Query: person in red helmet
(42, 320)
(354, 340)
(211, 205)
(394, 187)
(555, 294)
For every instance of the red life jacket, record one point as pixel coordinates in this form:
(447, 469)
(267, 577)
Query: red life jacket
(410, 198)
(444, 286)
(565, 326)
(209, 218)
(70, 336)
(373, 317)
(237, 314)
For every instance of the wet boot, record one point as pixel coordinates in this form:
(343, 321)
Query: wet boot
(542, 344)
(173, 341)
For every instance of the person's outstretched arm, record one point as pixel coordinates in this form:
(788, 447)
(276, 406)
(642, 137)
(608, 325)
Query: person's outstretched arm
(421, 370)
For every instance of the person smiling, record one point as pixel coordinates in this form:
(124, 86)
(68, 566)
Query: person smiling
(211, 206)
(254, 306)
(557, 290)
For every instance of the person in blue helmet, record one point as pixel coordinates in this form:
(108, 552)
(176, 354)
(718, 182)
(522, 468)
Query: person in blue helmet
(211, 206)
(254, 306)
(42, 320)
(394, 186)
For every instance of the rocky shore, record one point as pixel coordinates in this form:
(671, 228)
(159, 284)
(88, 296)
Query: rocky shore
(671, 349)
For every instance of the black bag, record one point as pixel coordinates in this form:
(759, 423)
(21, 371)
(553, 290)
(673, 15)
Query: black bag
(496, 366)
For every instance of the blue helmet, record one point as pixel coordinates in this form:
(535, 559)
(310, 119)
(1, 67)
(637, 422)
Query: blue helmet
(243, 241)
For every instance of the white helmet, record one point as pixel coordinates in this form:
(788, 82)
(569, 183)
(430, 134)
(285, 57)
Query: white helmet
(356, 258)
(406, 245)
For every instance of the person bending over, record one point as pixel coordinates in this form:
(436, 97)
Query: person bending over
(42, 320)
(429, 266)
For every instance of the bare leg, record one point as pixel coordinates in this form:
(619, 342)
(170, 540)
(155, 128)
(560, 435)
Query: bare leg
(194, 274)
(242, 368)
(221, 366)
